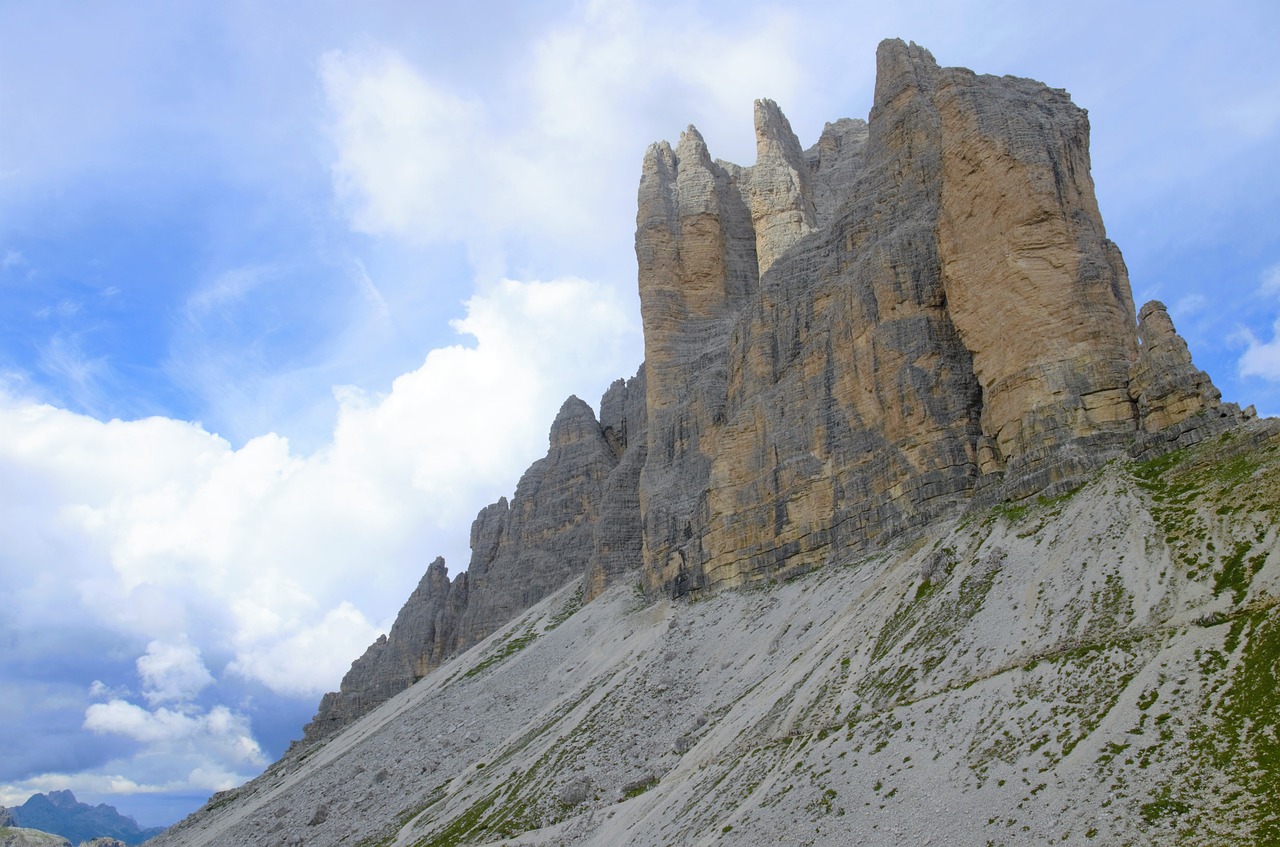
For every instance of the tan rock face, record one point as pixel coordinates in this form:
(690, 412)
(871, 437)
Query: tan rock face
(778, 186)
(842, 343)
(1035, 289)
(938, 315)
(1177, 403)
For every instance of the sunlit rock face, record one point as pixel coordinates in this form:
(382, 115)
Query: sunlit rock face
(848, 341)
(919, 312)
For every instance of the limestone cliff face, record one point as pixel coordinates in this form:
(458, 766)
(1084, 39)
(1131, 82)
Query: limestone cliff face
(423, 636)
(934, 314)
(546, 537)
(549, 534)
(616, 540)
(1177, 403)
(1035, 289)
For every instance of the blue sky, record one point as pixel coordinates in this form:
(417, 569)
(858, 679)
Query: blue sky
(288, 291)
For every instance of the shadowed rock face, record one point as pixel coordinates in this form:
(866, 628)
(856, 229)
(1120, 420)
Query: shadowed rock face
(422, 637)
(842, 343)
(550, 533)
(546, 537)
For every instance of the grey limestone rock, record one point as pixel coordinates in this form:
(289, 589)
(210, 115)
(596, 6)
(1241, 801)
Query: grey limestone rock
(423, 635)
(546, 537)
(617, 540)
(520, 552)
(27, 837)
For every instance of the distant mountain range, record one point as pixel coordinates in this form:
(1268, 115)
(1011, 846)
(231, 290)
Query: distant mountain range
(60, 813)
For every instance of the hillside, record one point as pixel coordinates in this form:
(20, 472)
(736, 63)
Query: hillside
(1094, 668)
(911, 528)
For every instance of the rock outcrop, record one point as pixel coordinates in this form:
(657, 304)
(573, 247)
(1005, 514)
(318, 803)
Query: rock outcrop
(546, 537)
(919, 314)
(27, 837)
(1177, 403)
(550, 532)
(423, 636)
(58, 815)
(934, 313)
(617, 536)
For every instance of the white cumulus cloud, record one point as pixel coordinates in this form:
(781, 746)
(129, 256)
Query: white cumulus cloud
(1260, 358)
(288, 565)
(172, 672)
(553, 154)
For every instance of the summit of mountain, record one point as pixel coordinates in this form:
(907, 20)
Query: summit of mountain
(910, 528)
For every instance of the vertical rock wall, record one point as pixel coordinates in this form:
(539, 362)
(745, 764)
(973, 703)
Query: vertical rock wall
(937, 315)
(841, 343)
(422, 637)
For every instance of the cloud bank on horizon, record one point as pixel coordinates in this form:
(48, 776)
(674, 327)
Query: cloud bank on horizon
(287, 297)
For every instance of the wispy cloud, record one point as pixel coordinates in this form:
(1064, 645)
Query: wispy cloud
(1270, 286)
(552, 155)
(1261, 358)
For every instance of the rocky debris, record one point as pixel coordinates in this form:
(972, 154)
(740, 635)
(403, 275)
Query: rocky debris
(103, 842)
(6, 817)
(574, 792)
(1094, 669)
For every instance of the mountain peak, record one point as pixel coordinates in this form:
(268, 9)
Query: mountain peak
(989, 516)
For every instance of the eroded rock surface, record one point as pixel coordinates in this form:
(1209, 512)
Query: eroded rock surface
(1177, 403)
(424, 635)
(920, 312)
(934, 314)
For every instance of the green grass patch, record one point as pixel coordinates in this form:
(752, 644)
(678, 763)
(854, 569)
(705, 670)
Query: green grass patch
(508, 649)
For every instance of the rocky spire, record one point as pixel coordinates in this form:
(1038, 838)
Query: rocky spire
(1177, 403)
(782, 209)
